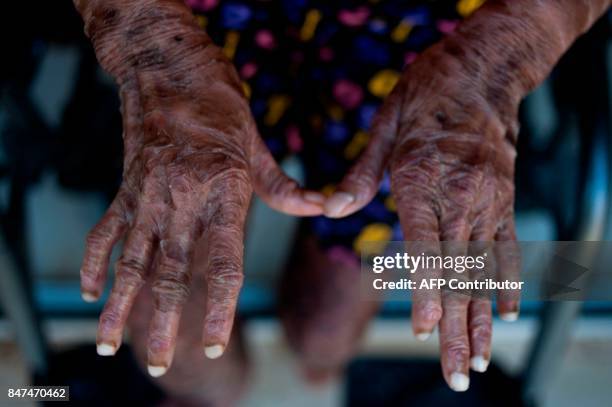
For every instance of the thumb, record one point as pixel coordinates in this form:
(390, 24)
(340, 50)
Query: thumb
(278, 190)
(360, 184)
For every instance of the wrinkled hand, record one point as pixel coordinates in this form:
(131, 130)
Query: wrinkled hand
(192, 159)
(447, 133)
(450, 149)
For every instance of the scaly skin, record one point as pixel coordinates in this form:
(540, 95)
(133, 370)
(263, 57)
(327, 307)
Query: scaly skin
(192, 158)
(447, 134)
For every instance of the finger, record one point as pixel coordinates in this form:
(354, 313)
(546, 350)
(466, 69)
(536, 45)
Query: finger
(454, 337)
(421, 230)
(277, 189)
(98, 247)
(480, 314)
(171, 287)
(361, 183)
(480, 317)
(426, 301)
(507, 258)
(130, 272)
(454, 341)
(223, 273)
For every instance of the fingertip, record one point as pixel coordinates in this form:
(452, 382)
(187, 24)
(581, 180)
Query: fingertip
(509, 316)
(90, 285)
(335, 206)
(479, 364)
(508, 310)
(157, 371)
(214, 351)
(89, 297)
(459, 381)
(106, 349)
(425, 317)
(422, 336)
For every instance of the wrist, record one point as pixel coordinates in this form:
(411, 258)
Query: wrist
(153, 36)
(512, 45)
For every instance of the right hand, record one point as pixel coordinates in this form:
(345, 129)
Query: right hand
(192, 158)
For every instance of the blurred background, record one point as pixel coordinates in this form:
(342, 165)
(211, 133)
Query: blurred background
(60, 164)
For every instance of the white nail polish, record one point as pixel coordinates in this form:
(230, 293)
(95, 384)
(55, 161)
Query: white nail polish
(423, 336)
(336, 204)
(214, 351)
(479, 364)
(509, 316)
(157, 371)
(459, 382)
(106, 349)
(88, 297)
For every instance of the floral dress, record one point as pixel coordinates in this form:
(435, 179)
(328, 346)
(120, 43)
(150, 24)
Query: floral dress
(315, 72)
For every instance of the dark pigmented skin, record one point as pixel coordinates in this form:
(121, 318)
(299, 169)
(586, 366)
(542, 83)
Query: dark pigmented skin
(447, 134)
(192, 159)
(192, 156)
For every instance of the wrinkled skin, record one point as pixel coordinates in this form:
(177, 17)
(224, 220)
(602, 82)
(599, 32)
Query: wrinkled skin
(193, 156)
(194, 380)
(447, 135)
(192, 159)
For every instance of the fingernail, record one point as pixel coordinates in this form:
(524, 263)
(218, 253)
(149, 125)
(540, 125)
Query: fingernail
(479, 364)
(509, 316)
(88, 297)
(157, 371)
(423, 336)
(214, 351)
(106, 349)
(314, 197)
(337, 203)
(459, 381)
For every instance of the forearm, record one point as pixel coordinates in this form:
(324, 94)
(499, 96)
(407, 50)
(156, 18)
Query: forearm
(510, 46)
(133, 37)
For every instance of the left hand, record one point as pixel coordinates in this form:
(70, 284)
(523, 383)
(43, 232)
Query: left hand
(450, 150)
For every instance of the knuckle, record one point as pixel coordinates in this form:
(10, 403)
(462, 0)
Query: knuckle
(89, 275)
(97, 237)
(280, 186)
(460, 187)
(172, 289)
(223, 273)
(364, 175)
(456, 347)
(159, 342)
(430, 311)
(455, 228)
(111, 318)
(480, 326)
(228, 216)
(130, 271)
(176, 253)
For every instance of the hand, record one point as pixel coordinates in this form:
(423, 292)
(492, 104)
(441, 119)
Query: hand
(447, 133)
(192, 159)
(450, 148)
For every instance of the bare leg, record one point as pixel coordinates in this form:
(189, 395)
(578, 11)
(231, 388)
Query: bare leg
(322, 311)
